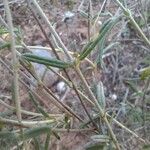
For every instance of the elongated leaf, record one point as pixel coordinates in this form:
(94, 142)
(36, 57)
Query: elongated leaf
(100, 95)
(46, 61)
(96, 146)
(100, 138)
(109, 47)
(107, 26)
(101, 46)
(47, 141)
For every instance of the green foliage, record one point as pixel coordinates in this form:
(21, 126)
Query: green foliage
(100, 95)
(146, 147)
(101, 138)
(145, 73)
(46, 61)
(47, 141)
(96, 147)
(3, 30)
(104, 142)
(105, 29)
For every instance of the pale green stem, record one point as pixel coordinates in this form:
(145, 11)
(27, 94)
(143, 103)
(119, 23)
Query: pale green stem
(66, 52)
(98, 16)
(43, 16)
(101, 110)
(127, 12)
(125, 128)
(15, 60)
(29, 112)
(48, 94)
(102, 114)
(27, 123)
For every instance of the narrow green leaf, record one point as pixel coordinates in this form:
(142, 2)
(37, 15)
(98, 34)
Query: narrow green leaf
(107, 26)
(100, 95)
(101, 46)
(67, 122)
(46, 61)
(47, 141)
(96, 146)
(100, 138)
(109, 47)
(84, 14)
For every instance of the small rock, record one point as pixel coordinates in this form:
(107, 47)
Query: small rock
(61, 87)
(49, 78)
(114, 97)
(68, 16)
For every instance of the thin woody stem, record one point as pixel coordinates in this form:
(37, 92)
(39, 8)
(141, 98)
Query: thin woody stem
(29, 112)
(43, 16)
(127, 12)
(15, 60)
(66, 73)
(103, 116)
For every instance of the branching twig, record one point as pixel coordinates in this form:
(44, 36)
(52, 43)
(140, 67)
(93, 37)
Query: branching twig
(127, 12)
